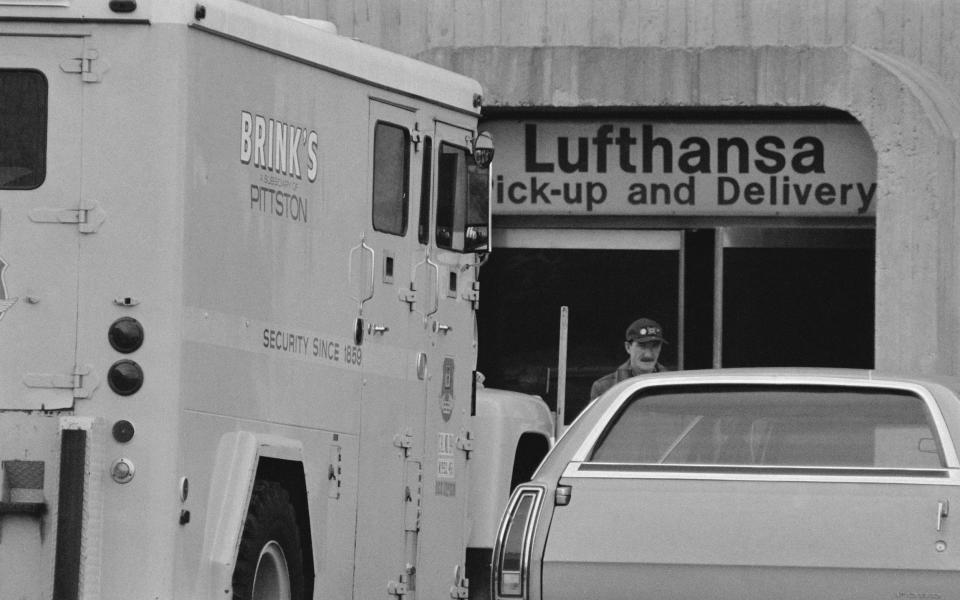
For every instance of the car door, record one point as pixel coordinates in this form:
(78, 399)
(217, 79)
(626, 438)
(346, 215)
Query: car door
(733, 492)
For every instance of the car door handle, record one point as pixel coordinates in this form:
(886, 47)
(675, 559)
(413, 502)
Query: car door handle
(943, 511)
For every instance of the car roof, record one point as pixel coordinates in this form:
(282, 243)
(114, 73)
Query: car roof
(773, 374)
(942, 388)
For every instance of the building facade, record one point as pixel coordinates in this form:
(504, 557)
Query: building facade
(753, 106)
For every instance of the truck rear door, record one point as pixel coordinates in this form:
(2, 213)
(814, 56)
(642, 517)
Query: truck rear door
(40, 182)
(726, 493)
(392, 436)
(40, 220)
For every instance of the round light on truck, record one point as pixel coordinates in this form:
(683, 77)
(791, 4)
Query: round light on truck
(125, 335)
(123, 431)
(122, 470)
(125, 377)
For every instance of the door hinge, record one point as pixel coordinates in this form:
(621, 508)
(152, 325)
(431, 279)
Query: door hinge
(460, 590)
(85, 67)
(408, 295)
(404, 440)
(399, 588)
(465, 442)
(83, 381)
(415, 137)
(473, 295)
(335, 472)
(87, 219)
(412, 493)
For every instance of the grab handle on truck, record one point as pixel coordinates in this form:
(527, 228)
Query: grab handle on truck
(436, 286)
(361, 247)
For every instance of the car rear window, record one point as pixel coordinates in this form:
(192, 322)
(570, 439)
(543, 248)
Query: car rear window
(795, 426)
(23, 129)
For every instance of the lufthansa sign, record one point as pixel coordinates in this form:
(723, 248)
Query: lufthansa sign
(799, 169)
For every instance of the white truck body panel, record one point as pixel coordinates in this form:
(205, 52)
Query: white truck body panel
(222, 166)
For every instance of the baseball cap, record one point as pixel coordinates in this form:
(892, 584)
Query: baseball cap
(645, 330)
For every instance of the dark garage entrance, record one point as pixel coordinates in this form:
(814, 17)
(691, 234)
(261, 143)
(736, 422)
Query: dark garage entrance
(728, 297)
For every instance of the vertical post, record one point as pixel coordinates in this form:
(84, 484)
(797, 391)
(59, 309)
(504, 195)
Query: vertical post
(562, 371)
(681, 301)
(718, 298)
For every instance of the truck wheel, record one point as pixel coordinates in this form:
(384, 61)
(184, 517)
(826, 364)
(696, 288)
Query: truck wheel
(270, 561)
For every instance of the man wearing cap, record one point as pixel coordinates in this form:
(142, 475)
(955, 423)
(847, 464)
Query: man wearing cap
(644, 341)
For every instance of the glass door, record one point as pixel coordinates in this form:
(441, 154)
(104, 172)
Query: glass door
(795, 297)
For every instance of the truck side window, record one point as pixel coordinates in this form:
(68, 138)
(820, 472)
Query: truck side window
(462, 201)
(423, 229)
(391, 180)
(23, 129)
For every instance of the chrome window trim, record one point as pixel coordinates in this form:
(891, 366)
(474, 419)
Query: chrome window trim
(939, 422)
(529, 533)
(584, 470)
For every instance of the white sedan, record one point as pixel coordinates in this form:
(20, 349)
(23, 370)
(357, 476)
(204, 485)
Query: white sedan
(753, 483)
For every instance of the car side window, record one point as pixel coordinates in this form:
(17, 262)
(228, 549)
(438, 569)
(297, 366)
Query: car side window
(795, 426)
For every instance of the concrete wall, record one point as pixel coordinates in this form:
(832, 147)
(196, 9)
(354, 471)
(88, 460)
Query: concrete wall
(892, 64)
(926, 32)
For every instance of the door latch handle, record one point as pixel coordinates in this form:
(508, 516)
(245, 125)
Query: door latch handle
(943, 511)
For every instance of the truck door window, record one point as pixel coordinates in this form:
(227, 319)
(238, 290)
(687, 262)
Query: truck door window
(462, 201)
(423, 228)
(803, 426)
(391, 180)
(23, 129)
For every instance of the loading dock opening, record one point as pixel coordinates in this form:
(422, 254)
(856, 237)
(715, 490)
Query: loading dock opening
(749, 235)
(727, 296)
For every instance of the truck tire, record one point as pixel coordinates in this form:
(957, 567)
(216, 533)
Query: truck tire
(270, 560)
